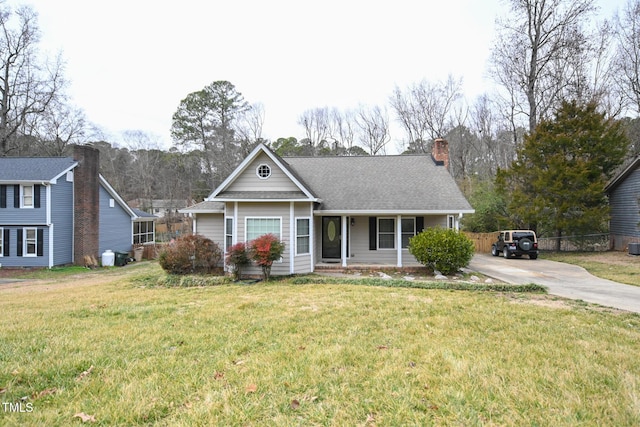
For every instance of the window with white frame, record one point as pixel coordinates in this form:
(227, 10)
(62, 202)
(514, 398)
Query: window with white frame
(30, 244)
(27, 196)
(451, 222)
(228, 233)
(143, 232)
(1, 241)
(408, 230)
(303, 236)
(386, 233)
(263, 171)
(256, 227)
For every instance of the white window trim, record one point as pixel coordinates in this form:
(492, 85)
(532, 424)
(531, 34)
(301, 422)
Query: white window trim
(1, 242)
(451, 222)
(305, 235)
(258, 171)
(386, 233)
(413, 219)
(22, 205)
(246, 222)
(228, 232)
(25, 246)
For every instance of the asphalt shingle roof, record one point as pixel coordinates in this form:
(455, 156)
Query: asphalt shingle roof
(398, 183)
(14, 169)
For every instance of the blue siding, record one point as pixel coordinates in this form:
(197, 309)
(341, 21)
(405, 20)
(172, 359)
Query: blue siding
(115, 225)
(13, 260)
(62, 220)
(624, 201)
(22, 216)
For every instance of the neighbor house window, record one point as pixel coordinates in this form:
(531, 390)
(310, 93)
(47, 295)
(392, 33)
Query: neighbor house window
(27, 196)
(30, 244)
(302, 236)
(386, 233)
(263, 171)
(143, 232)
(228, 233)
(408, 230)
(256, 227)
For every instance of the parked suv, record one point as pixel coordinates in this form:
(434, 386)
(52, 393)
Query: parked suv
(516, 242)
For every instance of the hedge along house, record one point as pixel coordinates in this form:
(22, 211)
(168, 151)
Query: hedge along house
(338, 210)
(59, 210)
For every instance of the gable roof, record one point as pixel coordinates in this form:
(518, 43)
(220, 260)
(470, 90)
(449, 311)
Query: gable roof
(34, 169)
(304, 192)
(113, 193)
(619, 178)
(407, 183)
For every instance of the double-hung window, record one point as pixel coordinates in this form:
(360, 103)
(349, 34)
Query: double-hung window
(386, 233)
(408, 230)
(27, 196)
(228, 232)
(302, 236)
(30, 242)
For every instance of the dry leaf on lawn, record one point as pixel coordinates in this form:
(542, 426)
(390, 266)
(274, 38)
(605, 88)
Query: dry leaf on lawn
(44, 393)
(295, 404)
(84, 373)
(85, 418)
(251, 388)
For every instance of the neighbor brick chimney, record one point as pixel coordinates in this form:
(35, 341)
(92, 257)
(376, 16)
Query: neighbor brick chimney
(440, 152)
(86, 201)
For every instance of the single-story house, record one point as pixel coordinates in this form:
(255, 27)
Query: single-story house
(338, 210)
(58, 210)
(624, 202)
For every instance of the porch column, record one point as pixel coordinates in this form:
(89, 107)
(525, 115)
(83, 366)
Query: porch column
(343, 240)
(399, 239)
(312, 243)
(292, 238)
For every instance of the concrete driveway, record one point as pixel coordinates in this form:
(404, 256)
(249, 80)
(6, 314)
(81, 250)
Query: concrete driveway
(565, 280)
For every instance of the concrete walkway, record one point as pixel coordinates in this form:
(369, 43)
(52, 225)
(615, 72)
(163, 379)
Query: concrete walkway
(565, 280)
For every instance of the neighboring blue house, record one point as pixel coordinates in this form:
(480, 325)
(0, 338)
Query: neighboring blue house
(624, 201)
(60, 210)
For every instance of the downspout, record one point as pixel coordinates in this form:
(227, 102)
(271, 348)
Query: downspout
(399, 239)
(292, 231)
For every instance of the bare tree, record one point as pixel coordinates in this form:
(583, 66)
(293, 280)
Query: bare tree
(425, 110)
(59, 126)
(538, 56)
(627, 60)
(249, 127)
(373, 129)
(317, 128)
(27, 85)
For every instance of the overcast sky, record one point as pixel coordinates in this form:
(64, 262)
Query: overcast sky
(130, 62)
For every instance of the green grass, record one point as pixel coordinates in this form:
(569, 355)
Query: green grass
(617, 266)
(291, 353)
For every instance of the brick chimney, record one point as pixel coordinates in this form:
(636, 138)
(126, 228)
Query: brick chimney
(440, 152)
(86, 201)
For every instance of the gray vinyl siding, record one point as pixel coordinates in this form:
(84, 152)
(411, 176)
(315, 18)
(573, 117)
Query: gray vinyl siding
(211, 226)
(625, 211)
(359, 252)
(249, 180)
(62, 220)
(116, 231)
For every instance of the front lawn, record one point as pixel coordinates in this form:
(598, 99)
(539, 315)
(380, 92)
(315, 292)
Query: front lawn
(112, 349)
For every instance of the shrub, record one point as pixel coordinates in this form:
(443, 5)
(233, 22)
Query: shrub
(264, 250)
(237, 257)
(190, 254)
(444, 250)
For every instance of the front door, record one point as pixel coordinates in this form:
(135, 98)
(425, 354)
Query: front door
(331, 246)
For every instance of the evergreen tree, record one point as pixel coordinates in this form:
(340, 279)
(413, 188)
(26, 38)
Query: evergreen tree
(556, 183)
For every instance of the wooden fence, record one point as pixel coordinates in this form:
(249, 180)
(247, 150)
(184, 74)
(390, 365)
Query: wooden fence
(482, 241)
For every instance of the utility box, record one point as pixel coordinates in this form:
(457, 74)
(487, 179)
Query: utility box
(634, 248)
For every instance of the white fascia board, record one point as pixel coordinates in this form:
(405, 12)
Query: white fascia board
(372, 212)
(221, 199)
(117, 197)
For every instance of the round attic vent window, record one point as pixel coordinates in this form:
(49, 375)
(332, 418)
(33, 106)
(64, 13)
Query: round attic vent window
(263, 171)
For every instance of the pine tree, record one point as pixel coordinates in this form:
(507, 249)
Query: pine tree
(556, 184)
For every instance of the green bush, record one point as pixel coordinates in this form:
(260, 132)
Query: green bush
(444, 250)
(190, 254)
